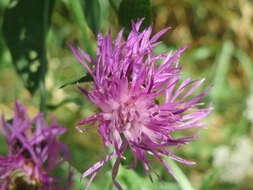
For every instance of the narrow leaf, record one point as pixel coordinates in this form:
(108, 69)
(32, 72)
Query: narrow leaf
(115, 4)
(92, 12)
(77, 12)
(85, 78)
(208, 180)
(223, 62)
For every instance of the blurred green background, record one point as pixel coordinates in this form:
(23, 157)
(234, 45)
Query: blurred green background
(34, 36)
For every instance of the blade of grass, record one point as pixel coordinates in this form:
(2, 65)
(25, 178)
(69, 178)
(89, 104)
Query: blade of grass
(42, 73)
(78, 14)
(209, 179)
(221, 71)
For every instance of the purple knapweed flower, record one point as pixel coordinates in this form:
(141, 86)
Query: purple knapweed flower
(141, 99)
(33, 152)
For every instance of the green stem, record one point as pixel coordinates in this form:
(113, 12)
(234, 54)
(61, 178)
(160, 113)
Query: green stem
(183, 181)
(43, 59)
(42, 96)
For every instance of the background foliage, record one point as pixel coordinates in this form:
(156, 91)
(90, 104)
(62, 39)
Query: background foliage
(33, 40)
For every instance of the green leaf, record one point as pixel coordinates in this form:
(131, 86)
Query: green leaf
(223, 60)
(92, 12)
(132, 10)
(129, 179)
(200, 53)
(85, 78)
(208, 180)
(24, 30)
(77, 12)
(115, 4)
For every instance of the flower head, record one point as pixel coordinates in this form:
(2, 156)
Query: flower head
(141, 98)
(33, 151)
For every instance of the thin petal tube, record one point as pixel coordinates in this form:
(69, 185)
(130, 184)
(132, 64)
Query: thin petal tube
(170, 170)
(114, 173)
(96, 166)
(87, 185)
(79, 58)
(89, 119)
(159, 34)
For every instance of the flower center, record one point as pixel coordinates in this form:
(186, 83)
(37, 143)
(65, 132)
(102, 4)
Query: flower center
(21, 182)
(129, 117)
